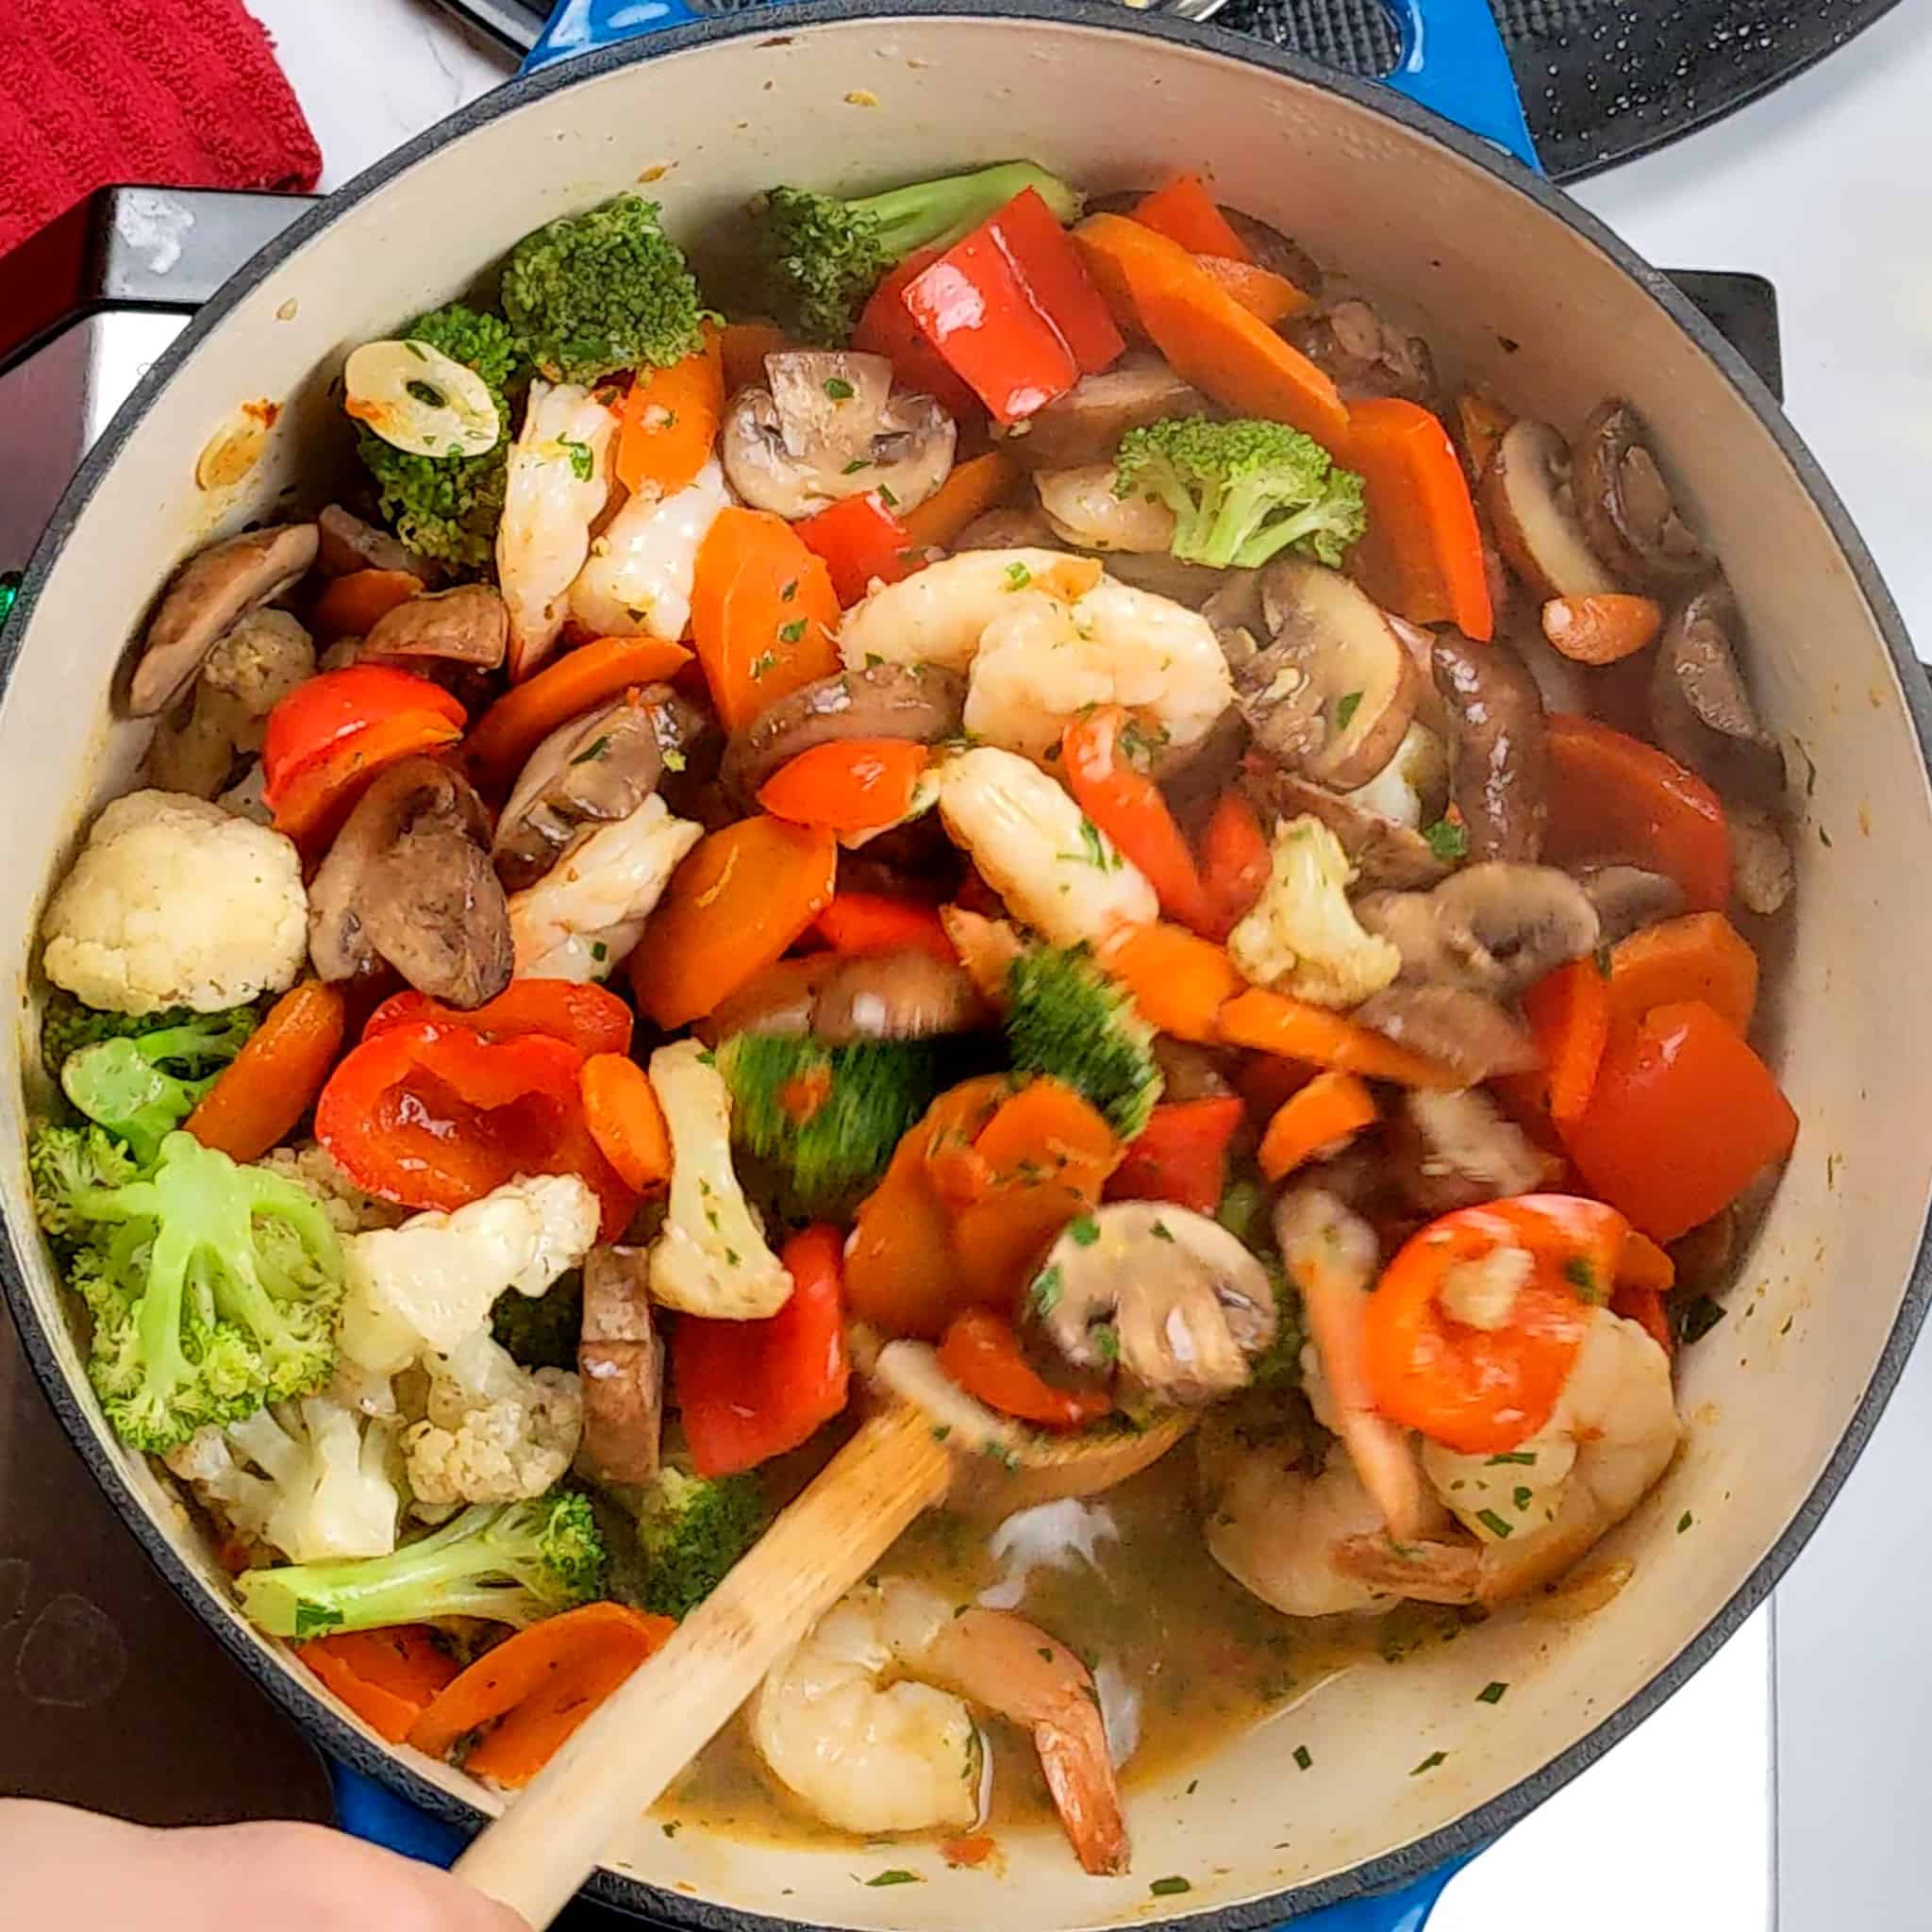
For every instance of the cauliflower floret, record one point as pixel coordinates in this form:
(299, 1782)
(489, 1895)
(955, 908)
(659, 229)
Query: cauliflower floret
(349, 1209)
(712, 1258)
(308, 1478)
(1057, 869)
(175, 903)
(1302, 936)
(494, 1433)
(1419, 771)
(422, 1288)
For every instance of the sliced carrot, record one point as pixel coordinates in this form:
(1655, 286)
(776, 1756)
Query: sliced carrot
(1644, 1265)
(1645, 1307)
(622, 1111)
(1701, 955)
(1209, 338)
(1179, 982)
(1569, 1015)
(323, 792)
(1183, 211)
(763, 614)
(977, 485)
(739, 898)
(1273, 1022)
(535, 1688)
(261, 1093)
(1482, 421)
(1602, 630)
(387, 1677)
(669, 419)
(1422, 555)
(1326, 1113)
(982, 1353)
(567, 686)
(971, 1851)
(872, 923)
(742, 349)
(1267, 296)
(351, 605)
(857, 785)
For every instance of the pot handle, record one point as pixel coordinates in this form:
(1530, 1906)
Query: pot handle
(371, 1812)
(1453, 61)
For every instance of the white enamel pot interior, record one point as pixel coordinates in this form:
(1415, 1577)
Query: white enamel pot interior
(1518, 288)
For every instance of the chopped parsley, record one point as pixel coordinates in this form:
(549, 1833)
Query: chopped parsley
(887, 497)
(1430, 1763)
(1043, 1297)
(1018, 576)
(1493, 1524)
(427, 392)
(583, 465)
(671, 1826)
(593, 751)
(599, 951)
(789, 592)
(1604, 962)
(1525, 1457)
(1492, 1694)
(312, 1619)
(1084, 1231)
(791, 633)
(1447, 840)
(1302, 1757)
(1094, 849)
(839, 389)
(1168, 1887)
(857, 464)
(1522, 1498)
(1346, 706)
(1581, 1275)
(1696, 1317)
(1684, 1522)
(1106, 1342)
(896, 1875)
(873, 660)
(1160, 1231)
(765, 661)
(673, 759)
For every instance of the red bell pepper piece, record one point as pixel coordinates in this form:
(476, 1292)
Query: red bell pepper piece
(322, 712)
(1128, 805)
(1183, 211)
(389, 1677)
(872, 923)
(1422, 555)
(982, 1353)
(1682, 1116)
(1181, 1154)
(1013, 311)
(586, 1017)
(1569, 1015)
(750, 1391)
(1234, 863)
(859, 540)
(886, 329)
(434, 1115)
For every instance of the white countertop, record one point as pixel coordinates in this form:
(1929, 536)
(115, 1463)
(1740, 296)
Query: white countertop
(1819, 187)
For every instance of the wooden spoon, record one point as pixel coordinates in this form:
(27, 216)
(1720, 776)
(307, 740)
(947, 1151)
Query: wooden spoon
(902, 1461)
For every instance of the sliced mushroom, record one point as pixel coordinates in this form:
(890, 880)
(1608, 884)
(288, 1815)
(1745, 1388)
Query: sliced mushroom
(1188, 1072)
(1466, 1032)
(1365, 356)
(1763, 874)
(1082, 509)
(1493, 928)
(692, 745)
(407, 880)
(1012, 526)
(1527, 494)
(1700, 706)
(1334, 690)
(1627, 898)
(1384, 855)
(828, 427)
(906, 994)
(591, 771)
(1168, 1296)
(1278, 253)
(919, 701)
(780, 1000)
(347, 543)
(1498, 747)
(246, 673)
(1624, 504)
(206, 598)
(621, 1368)
(1454, 1150)
(468, 624)
(1086, 425)
(1173, 577)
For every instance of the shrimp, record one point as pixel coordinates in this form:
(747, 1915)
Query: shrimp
(643, 563)
(556, 487)
(1330, 1254)
(1042, 637)
(867, 1719)
(587, 913)
(1081, 507)
(1056, 871)
(1283, 1524)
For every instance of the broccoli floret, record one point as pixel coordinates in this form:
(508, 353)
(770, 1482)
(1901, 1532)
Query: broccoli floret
(509, 1563)
(690, 1530)
(1241, 491)
(823, 256)
(214, 1286)
(1067, 1019)
(126, 1086)
(603, 290)
(447, 507)
(542, 1331)
(67, 1025)
(825, 1118)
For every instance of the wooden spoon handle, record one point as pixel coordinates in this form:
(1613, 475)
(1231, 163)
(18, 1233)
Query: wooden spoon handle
(620, 1762)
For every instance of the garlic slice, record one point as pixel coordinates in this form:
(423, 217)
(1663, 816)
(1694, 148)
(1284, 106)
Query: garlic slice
(420, 400)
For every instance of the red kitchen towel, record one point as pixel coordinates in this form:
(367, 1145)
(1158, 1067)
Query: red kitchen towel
(184, 93)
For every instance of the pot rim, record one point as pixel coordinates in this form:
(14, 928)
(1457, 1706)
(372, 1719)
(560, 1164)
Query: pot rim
(1472, 1829)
